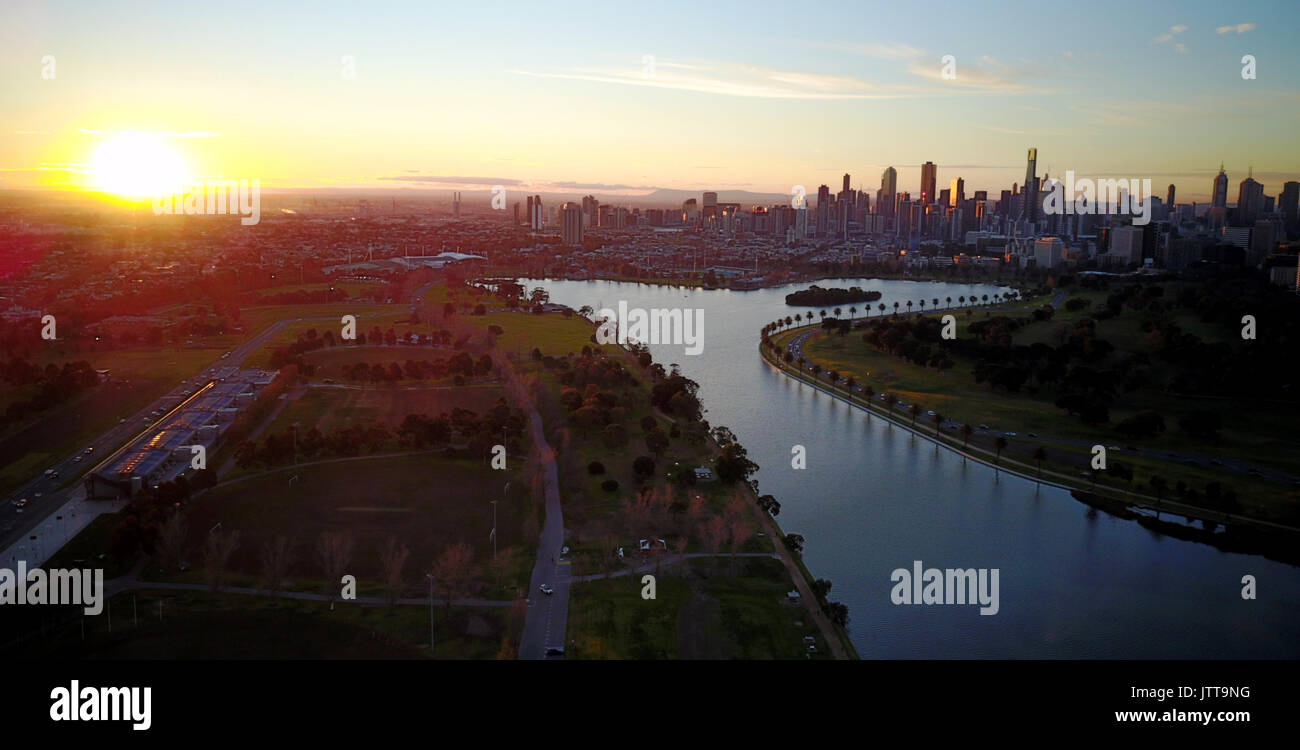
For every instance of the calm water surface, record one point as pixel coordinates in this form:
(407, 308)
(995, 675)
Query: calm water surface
(1072, 585)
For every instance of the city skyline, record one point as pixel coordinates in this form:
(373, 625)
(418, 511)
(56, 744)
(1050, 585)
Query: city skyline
(622, 102)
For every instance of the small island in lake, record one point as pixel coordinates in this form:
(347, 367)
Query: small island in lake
(815, 296)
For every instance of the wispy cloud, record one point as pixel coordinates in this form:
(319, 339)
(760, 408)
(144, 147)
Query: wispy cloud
(994, 77)
(1168, 36)
(1240, 28)
(734, 79)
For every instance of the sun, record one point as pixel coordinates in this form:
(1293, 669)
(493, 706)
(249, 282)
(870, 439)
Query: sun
(137, 165)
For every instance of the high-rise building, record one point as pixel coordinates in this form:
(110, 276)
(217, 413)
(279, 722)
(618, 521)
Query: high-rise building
(1170, 199)
(455, 204)
(537, 215)
(1029, 207)
(571, 224)
(823, 209)
(929, 172)
(710, 205)
(1250, 201)
(1287, 203)
(1219, 194)
(888, 188)
(1047, 252)
(846, 182)
(956, 192)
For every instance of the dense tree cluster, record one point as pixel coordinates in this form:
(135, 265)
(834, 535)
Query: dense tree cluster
(51, 386)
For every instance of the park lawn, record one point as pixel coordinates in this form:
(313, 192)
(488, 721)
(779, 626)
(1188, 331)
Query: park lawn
(1249, 432)
(327, 407)
(207, 625)
(397, 320)
(354, 289)
(425, 501)
(700, 611)
(552, 333)
(256, 319)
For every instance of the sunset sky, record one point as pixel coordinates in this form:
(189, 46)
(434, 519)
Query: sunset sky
(556, 96)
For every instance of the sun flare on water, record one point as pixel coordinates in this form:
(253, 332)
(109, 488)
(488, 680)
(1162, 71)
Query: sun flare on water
(137, 165)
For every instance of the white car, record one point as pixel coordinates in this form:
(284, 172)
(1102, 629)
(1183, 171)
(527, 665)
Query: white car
(545, 588)
(76, 459)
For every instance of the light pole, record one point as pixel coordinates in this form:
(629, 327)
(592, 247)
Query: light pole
(430, 577)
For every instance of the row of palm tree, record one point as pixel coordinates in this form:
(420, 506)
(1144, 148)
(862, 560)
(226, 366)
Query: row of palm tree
(962, 301)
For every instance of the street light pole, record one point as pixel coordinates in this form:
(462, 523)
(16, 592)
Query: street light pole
(430, 577)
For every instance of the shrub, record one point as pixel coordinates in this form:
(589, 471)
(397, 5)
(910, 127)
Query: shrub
(609, 485)
(595, 467)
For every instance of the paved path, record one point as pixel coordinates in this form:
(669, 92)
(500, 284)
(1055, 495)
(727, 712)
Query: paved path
(548, 615)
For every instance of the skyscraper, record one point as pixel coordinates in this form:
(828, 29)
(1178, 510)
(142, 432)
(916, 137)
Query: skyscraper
(1029, 208)
(846, 182)
(571, 224)
(823, 209)
(957, 191)
(710, 205)
(1287, 203)
(1170, 200)
(1220, 192)
(1250, 201)
(928, 174)
(888, 188)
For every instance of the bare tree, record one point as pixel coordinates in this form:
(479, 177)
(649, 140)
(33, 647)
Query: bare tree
(171, 541)
(216, 555)
(454, 570)
(277, 556)
(392, 560)
(333, 553)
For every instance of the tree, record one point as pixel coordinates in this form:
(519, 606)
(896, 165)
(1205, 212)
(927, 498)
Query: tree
(216, 555)
(454, 570)
(171, 541)
(391, 561)
(656, 441)
(643, 466)
(769, 504)
(333, 554)
(795, 544)
(277, 556)
(1040, 455)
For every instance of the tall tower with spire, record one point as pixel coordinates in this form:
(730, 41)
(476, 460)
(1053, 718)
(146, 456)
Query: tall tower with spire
(1219, 195)
(1029, 207)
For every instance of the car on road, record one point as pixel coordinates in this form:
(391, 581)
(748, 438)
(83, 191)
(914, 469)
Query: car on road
(929, 414)
(984, 427)
(545, 588)
(554, 651)
(1030, 434)
(76, 459)
(37, 495)
(1011, 434)
(89, 450)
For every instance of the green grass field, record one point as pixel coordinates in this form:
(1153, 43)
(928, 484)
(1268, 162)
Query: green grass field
(700, 611)
(205, 625)
(424, 501)
(329, 407)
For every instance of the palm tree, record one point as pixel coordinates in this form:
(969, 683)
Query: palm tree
(837, 312)
(798, 318)
(1000, 444)
(922, 305)
(961, 300)
(895, 308)
(852, 311)
(986, 299)
(882, 308)
(950, 302)
(787, 321)
(909, 305)
(934, 304)
(823, 315)
(1040, 455)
